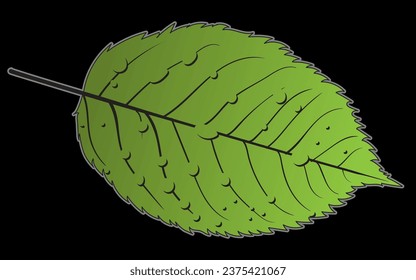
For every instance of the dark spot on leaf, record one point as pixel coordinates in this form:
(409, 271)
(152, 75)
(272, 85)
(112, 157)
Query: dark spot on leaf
(273, 201)
(225, 180)
(187, 207)
(193, 169)
(188, 61)
(305, 161)
(170, 187)
(328, 128)
(231, 97)
(143, 127)
(281, 99)
(318, 143)
(253, 209)
(214, 76)
(224, 209)
(197, 219)
(219, 225)
(206, 132)
(141, 181)
(251, 219)
(163, 162)
(235, 202)
(127, 155)
(103, 125)
(300, 109)
(160, 77)
(346, 152)
(82, 126)
(263, 215)
(121, 66)
(114, 84)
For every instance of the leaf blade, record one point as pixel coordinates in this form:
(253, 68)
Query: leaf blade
(248, 139)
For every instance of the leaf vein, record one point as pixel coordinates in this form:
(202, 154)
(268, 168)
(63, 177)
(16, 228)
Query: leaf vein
(348, 156)
(246, 204)
(246, 88)
(189, 96)
(146, 85)
(126, 160)
(277, 112)
(206, 200)
(287, 126)
(235, 61)
(89, 131)
(180, 141)
(113, 110)
(345, 169)
(154, 198)
(287, 183)
(216, 156)
(309, 183)
(324, 177)
(156, 135)
(333, 145)
(254, 109)
(128, 63)
(252, 169)
(306, 132)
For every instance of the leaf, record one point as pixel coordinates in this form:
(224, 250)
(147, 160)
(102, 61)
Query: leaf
(222, 132)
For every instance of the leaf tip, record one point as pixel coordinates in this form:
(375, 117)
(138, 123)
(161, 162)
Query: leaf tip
(390, 182)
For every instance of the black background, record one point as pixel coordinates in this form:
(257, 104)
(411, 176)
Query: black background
(54, 206)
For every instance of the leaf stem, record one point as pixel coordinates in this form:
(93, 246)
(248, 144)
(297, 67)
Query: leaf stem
(45, 82)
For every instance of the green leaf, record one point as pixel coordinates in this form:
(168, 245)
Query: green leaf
(222, 132)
